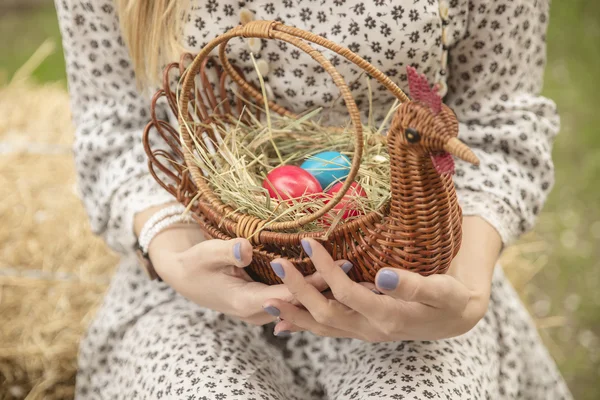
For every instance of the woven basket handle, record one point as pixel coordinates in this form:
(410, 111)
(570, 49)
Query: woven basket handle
(294, 36)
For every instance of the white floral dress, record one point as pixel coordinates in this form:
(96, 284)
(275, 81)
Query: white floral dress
(149, 342)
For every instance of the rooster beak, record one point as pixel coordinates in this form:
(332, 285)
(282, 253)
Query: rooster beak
(460, 150)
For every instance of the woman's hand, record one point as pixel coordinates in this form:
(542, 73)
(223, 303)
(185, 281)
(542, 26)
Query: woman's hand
(411, 307)
(210, 272)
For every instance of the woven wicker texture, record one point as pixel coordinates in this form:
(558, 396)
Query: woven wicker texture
(420, 228)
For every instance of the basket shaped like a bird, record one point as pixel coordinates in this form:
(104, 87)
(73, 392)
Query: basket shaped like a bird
(418, 230)
(422, 231)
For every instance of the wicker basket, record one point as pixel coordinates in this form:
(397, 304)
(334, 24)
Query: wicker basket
(419, 229)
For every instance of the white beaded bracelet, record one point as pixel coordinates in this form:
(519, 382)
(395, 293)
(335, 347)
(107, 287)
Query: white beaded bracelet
(160, 221)
(159, 227)
(162, 214)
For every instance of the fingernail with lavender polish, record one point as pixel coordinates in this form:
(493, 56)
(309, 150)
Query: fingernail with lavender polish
(237, 251)
(274, 311)
(283, 334)
(347, 266)
(387, 280)
(306, 247)
(278, 269)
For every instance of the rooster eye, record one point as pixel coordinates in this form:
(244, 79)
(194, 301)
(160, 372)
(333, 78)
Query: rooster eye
(412, 136)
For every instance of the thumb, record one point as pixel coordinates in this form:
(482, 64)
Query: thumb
(439, 291)
(221, 253)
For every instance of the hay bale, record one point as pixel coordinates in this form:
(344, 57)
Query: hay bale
(44, 226)
(53, 271)
(32, 114)
(46, 319)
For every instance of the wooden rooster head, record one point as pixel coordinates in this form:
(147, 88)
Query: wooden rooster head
(427, 127)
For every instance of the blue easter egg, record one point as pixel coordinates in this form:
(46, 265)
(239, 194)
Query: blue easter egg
(328, 167)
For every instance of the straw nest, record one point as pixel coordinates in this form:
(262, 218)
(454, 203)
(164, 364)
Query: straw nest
(246, 152)
(53, 271)
(242, 151)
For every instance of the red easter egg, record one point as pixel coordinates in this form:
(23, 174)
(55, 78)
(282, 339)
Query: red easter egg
(348, 203)
(291, 182)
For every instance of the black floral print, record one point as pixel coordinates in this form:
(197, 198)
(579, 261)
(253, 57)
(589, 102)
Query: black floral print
(148, 342)
(487, 59)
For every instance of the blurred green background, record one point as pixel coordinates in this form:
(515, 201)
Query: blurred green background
(567, 284)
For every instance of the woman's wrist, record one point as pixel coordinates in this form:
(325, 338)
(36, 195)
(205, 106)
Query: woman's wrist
(176, 239)
(158, 220)
(168, 244)
(140, 219)
(163, 234)
(479, 252)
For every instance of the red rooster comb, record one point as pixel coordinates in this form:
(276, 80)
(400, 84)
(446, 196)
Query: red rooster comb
(421, 91)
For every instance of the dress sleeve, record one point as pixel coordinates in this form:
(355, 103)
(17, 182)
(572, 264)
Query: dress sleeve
(495, 74)
(109, 115)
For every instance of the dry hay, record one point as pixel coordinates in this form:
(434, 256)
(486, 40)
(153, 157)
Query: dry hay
(42, 118)
(522, 262)
(243, 151)
(34, 115)
(246, 152)
(53, 271)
